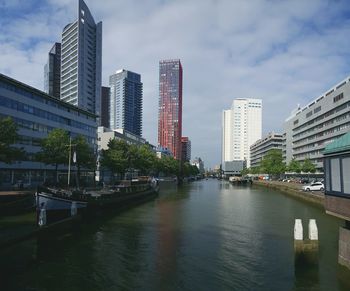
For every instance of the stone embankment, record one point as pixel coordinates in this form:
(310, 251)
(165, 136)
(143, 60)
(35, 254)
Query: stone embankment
(293, 189)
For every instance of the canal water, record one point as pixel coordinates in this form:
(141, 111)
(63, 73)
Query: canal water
(207, 235)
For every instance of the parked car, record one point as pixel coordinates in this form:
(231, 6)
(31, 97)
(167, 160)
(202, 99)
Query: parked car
(316, 186)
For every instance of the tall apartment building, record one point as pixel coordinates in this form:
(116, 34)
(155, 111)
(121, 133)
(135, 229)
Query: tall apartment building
(310, 128)
(272, 141)
(241, 127)
(186, 149)
(81, 61)
(105, 97)
(125, 105)
(36, 114)
(170, 106)
(52, 71)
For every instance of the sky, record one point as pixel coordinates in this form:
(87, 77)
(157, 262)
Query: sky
(283, 52)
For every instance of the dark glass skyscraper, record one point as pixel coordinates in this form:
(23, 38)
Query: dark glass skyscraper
(125, 105)
(52, 71)
(105, 95)
(170, 106)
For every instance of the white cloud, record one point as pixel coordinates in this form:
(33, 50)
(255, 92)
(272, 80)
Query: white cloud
(285, 52)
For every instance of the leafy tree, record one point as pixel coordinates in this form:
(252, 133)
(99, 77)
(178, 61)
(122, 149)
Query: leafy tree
(308, 166)
(255, 170)
(146, 161)
(8, 136)
(272, 163)
(115, 157)
(85, 157)
(54, 149)
(245, 171)
(294, 166)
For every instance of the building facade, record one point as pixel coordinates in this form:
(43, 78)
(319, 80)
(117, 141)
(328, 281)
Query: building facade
(310, 128)
(273, 141)
(199, 163)
(170, 106)
(186, 149)
(125, 106)
(36, 114)
(81, 61)
(105, 99)
(241, 127)
(52, 71)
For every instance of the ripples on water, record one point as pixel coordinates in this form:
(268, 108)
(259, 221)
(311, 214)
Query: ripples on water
(207, 235)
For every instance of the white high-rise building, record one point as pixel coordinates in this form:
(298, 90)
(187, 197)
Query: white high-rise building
(81, 61)
(241, 127)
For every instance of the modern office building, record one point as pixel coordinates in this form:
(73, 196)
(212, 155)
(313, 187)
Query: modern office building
(186, 149)
(272, 141)
(81, 61)
(241, 127)
(125, 105)
(105, 97)
(36, 114)
(310, 128)
(52, 71)
(170, 106)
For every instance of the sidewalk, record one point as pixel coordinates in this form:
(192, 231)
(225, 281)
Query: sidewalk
(293, 189)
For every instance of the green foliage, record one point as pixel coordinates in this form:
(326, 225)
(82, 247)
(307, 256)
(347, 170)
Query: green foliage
(115, 157)
(308, 166)
(85, 157)
(8, 136)
(189, 170)
(272, 163)
(245, 172)
(254, 170)
(54, 148)
(294, 166)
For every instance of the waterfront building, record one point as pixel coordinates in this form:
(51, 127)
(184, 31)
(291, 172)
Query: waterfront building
(81, 61)
(36, 114)
(337, 190)
(198, 162)
(233, 168)
(310, 128)
(163, 152)
(105, 99)
(241, 127)
(52, 71)
(170, 106)
(186, 149)
(125, 105)
(272, 141)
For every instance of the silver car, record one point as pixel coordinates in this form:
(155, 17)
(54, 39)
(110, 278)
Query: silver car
(316, 186)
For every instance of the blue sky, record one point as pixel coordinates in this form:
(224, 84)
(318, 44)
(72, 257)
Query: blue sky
(284, 52)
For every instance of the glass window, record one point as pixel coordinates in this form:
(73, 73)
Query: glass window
(335, 175)
(346, 171)
(327, 173)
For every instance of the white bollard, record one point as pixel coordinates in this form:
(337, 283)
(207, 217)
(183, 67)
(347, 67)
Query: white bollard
(298, 229)
(42, 217)
(73, 209)
(313, 232)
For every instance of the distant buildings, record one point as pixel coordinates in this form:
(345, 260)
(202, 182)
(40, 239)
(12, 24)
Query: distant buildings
(241, 127)
(125, 107)
(198, 162)
(105, 99)
(81, 61)
(36, 114)
(310, 128)
(170, 106)
(186, 149)
(272, 141)
(52, 71)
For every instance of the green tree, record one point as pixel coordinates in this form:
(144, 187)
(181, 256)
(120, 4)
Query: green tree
(115, 158)
(294, 166)
(308, 166)
(9, 136)
(146, 160)
(85, 157)
(272, 163)
(54, 149)
(245, 172)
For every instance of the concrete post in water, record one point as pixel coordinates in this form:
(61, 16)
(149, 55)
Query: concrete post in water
(298, 235)
(313, 232)
(306, 246)
(73, 209)
(42, 217)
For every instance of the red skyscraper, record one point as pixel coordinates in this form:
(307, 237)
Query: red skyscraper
(170, 106)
